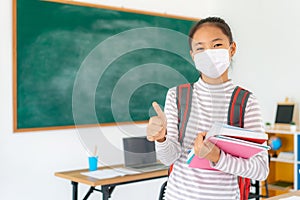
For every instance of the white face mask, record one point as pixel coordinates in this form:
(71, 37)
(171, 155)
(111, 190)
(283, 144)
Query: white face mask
(212, 62)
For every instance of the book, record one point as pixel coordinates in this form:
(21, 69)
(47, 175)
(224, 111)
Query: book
(237, 132)
(239, 145)
(281, 185)
(109, 173)
(286, 155)
(196, 162)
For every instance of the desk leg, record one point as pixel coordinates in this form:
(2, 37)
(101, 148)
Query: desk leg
(75, 190)
(89, 193)
(106, 191)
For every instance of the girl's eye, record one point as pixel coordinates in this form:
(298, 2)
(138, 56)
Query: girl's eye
(218, 45)
(200, 49)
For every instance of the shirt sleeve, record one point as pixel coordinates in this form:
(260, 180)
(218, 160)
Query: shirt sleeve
(170, 150)
(256, 167)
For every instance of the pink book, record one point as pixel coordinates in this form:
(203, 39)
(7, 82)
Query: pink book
(233, 146)
(201, 163)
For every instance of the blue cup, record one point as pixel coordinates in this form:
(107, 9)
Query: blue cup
(93, 163)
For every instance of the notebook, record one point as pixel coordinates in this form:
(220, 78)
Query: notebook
(140, 155)
(237, 132)
(233, 146)
(235, 141)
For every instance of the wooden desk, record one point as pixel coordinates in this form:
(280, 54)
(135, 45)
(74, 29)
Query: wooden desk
(296, 193)
(107, 185)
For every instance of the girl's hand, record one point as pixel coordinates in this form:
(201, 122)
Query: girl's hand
(206, 149)
(157, 126)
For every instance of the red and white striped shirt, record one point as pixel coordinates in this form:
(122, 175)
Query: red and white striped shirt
(209, 104)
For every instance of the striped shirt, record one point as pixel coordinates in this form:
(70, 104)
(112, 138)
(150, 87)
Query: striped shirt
(209, 104)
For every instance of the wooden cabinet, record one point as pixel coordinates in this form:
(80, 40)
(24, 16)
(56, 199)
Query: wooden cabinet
(284, 173)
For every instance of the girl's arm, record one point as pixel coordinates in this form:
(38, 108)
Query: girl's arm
(256, 167)
(170, 150)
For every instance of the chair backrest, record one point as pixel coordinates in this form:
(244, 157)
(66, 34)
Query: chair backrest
(256, 194)
(162, 191)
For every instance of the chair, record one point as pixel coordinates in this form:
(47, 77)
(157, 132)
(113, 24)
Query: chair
(256, 194)
(162, 191)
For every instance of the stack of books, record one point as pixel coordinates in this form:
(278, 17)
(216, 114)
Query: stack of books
(233, 140)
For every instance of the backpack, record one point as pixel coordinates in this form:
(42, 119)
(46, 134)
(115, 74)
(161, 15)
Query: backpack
(236, 112)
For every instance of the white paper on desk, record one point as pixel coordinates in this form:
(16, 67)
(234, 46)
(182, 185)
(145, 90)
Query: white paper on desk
(109, 173)
(291, 198)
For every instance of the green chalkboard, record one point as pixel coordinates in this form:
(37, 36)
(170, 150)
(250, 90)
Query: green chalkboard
(80, 65)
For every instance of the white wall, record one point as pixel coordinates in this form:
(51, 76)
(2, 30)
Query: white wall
(267, 33)
(267, 62)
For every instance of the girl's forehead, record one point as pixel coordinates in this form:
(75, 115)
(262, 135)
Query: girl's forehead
(208, 33)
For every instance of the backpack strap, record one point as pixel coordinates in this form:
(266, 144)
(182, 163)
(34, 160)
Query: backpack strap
(244, 185)
(184, 100)
(237, 107)
(184, 95)
(236, 114)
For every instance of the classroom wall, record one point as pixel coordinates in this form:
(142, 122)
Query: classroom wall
(267, 34)
(267, 61)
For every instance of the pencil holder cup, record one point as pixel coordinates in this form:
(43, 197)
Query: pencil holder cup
(93, 163)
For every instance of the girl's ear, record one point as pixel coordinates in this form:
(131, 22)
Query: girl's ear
(232, 49)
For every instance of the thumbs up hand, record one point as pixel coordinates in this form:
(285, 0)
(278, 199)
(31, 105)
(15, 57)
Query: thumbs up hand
(157, 126)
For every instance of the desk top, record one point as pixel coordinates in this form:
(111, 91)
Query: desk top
(76, 176)
(296, 193)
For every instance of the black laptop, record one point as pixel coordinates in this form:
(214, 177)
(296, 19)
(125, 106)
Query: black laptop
(140, 155)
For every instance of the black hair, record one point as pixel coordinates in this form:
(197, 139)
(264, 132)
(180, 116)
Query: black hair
(215, 21)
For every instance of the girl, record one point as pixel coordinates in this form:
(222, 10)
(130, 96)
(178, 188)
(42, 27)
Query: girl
(212, 48)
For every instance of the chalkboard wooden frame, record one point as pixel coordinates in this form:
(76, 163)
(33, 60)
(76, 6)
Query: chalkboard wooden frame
(16, 95)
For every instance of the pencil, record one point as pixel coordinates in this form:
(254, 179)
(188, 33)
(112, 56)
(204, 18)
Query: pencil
(95, 151)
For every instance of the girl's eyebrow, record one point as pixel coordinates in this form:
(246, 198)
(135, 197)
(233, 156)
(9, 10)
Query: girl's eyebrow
(217, 39)
(214, 40)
